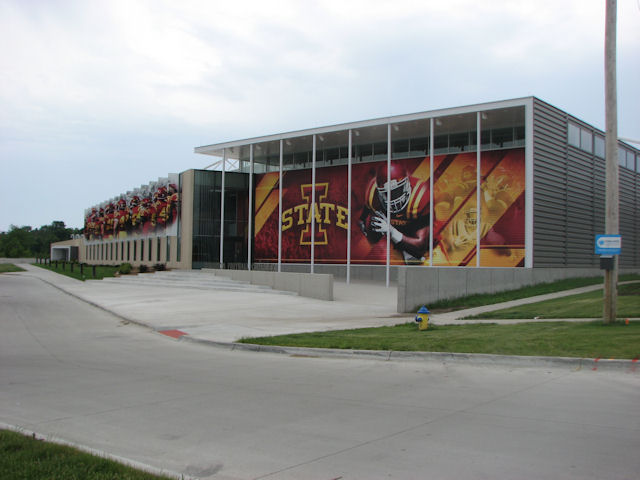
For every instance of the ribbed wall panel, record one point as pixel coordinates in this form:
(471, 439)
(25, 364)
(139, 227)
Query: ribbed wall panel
(569, 197)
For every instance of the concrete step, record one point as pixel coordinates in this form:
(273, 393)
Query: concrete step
(194, 281)
(182, 276)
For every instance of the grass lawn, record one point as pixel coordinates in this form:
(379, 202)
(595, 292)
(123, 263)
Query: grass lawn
(565, 339)
(585, 305)
(10, 267)
(524, 292)
(24, 457)
(101, 271)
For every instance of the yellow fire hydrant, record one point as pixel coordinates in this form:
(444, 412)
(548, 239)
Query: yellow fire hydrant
(422, 318)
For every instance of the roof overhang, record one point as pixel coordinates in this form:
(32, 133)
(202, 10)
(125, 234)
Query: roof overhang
(237, 149)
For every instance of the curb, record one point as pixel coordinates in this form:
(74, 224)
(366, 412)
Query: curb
(481, 359)
(97, 453)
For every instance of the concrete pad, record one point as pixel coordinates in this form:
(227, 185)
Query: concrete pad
(228, 316)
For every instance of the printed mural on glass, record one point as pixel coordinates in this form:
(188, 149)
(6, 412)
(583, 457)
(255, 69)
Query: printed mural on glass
(151, 210)
(454, 210)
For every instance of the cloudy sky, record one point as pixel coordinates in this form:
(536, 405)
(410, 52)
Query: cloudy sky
(100, 96)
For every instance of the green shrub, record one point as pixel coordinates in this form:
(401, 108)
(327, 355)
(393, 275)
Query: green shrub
(159, 267)
(143, 268)
(125, 268)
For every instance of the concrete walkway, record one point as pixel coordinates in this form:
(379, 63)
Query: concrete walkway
(228, 316)
(455, 318)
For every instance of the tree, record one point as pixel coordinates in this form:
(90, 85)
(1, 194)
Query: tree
(17, 242)
(48, 234)
(27, 242)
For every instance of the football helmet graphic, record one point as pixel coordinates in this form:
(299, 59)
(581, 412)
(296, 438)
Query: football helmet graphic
(398, 184)
(161, 194)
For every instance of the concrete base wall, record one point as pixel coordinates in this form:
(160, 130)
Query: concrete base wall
(420, 286)
(358, 272)
(319, 286)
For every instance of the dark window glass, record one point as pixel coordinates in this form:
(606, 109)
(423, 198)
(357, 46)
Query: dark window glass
(519, 133)
(206, 218)
(502, 137)
(458, 141)
(400, 148)
(419, 146)
(380, 151)
(441, 143)
(364, 153)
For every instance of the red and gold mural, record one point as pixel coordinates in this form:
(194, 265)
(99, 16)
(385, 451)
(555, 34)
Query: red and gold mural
(456, 217)
(149, 210)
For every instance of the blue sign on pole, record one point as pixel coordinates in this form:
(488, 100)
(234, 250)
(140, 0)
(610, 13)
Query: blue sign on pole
(608, 244)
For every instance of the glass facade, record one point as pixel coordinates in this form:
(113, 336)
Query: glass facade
(206, 218)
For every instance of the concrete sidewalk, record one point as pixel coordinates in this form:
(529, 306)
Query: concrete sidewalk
(454, 318)
(222, 316)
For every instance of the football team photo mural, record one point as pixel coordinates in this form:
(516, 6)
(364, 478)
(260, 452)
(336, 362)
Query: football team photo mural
(456, 217)
(151, 210)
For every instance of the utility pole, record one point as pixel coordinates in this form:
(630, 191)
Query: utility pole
(611, 154)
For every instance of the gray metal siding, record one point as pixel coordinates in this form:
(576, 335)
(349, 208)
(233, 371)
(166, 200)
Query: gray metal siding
(569, 197)
(550, 186)
(629, 209)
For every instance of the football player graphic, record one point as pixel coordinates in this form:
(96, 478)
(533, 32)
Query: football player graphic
(161, 207)
(408, 224)
(92, 228)
(121, 218)
(173, 197)
(147, 214)
(135, 212)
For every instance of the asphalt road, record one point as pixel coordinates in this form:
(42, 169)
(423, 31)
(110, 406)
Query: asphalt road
(78, 373)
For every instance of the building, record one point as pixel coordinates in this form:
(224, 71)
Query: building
(539, 205)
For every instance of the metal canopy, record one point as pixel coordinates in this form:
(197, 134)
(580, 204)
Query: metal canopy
(366, 131)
